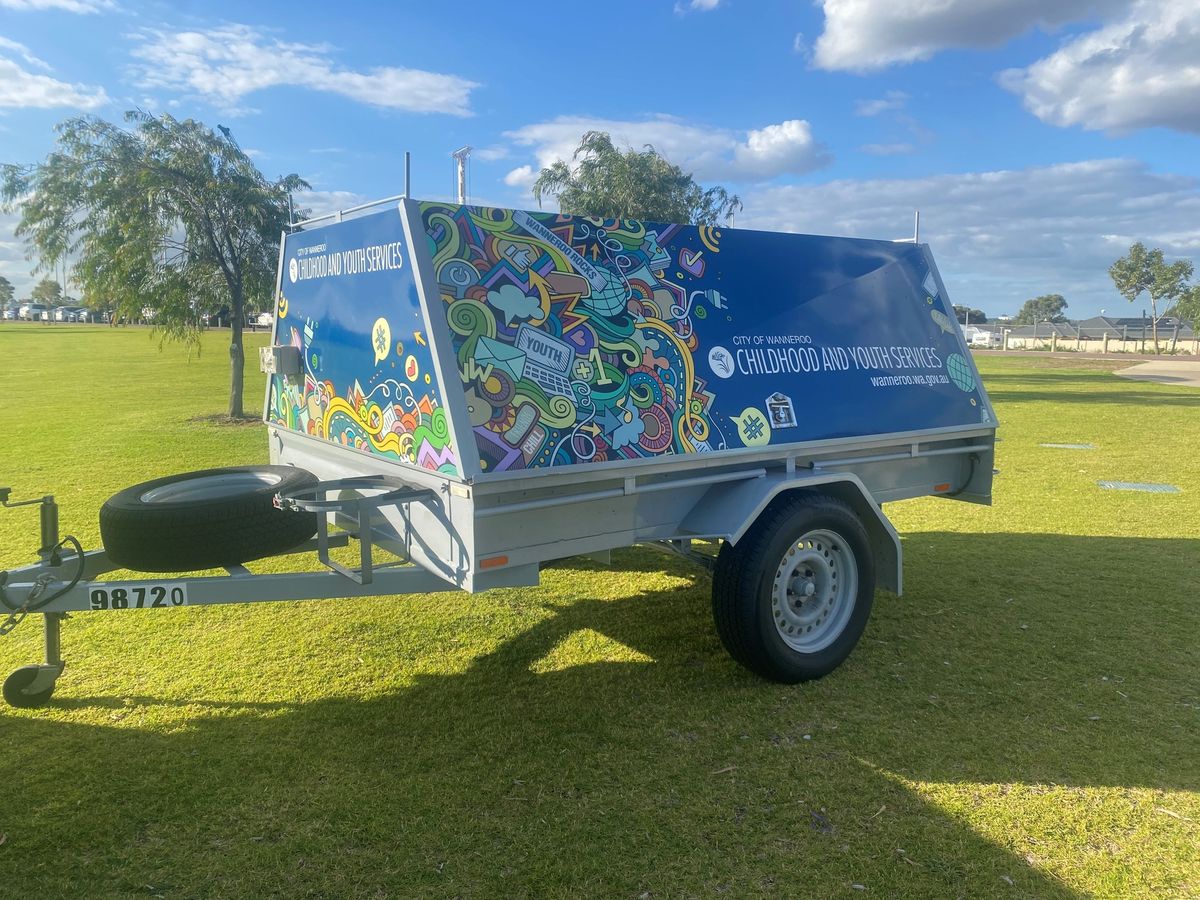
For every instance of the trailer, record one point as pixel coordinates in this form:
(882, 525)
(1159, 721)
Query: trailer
(466, 393)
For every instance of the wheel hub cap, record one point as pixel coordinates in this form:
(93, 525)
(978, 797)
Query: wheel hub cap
(814, 590)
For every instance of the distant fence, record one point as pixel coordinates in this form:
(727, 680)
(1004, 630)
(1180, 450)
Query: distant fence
(1190, 346)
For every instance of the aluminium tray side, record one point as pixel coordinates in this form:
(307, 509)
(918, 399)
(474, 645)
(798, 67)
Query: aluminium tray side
(590, 345)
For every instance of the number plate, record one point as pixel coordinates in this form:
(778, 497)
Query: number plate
(140, 595)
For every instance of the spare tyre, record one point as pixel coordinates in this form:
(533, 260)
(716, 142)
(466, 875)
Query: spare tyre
(204, 520)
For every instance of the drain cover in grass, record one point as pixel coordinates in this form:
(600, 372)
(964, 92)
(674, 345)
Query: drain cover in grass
(1139, 486)
(1069, 446)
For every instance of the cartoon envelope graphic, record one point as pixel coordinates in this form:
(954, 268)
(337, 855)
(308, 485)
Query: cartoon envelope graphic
(505, 358)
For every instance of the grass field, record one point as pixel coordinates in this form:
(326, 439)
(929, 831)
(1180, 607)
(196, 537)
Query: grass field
(1025, 721)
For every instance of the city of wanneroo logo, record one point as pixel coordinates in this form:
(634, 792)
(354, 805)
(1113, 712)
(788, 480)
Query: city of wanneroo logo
(720, 361)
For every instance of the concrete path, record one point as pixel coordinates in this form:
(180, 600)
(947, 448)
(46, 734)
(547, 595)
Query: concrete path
(1186, 374)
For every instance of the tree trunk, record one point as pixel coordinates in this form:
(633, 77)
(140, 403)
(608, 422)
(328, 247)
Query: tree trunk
(237, 355)
(1154, 324)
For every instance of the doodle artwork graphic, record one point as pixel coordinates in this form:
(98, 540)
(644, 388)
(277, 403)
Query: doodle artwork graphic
(566, 340)
(573, 344)
(349, 302)
(581, 340)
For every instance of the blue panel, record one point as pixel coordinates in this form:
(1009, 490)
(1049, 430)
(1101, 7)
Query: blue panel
(580, 340)
(349, 301)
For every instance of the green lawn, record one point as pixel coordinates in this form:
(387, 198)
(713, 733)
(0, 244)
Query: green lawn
(1025, 721)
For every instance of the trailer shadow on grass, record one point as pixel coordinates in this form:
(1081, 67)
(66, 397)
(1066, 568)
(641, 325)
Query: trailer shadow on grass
(613, 749)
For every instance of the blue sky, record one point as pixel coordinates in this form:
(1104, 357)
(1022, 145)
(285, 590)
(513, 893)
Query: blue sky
(1038, 138)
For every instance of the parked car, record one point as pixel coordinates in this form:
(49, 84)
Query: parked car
(986, 339)
(35, 312)
(9, 313)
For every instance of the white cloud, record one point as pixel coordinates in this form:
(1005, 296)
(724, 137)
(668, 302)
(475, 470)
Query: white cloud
(890, 102)
(22, 51)
(72, 6)
(710, 154)
(319, 203)
(522, 177)
(1139, 72)
(490, 154)
(228, 63)
(696, 6)
(777, 150)
(1002, 237)
(861, 35)
(20, 88)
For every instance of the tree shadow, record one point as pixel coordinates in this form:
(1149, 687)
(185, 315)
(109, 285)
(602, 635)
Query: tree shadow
(671, 771)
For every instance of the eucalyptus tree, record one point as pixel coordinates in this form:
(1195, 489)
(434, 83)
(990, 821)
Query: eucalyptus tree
(47, 292)
(1046, 308)
(164, 215)
(1188, 306)
(1147, 271)
(609, 183)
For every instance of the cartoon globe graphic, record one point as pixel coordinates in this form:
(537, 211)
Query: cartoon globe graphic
(610, 299)
(960, 372)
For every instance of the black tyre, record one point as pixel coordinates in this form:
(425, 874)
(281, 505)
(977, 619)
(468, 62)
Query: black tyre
(14, 689)
(792, 598)
(205, 520)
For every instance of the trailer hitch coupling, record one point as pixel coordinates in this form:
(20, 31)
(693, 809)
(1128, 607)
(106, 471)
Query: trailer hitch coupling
(31, 686)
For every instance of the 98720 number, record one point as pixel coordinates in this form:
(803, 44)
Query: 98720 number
(140, 596)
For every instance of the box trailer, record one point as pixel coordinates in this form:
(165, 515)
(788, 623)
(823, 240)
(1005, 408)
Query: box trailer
(477, 391)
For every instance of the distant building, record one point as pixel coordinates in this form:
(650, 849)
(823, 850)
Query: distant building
(1116, 328)
(1045, 330)
(1134, 328)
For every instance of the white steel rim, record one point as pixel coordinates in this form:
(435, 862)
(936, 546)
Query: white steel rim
(814, 591)
(211, 487)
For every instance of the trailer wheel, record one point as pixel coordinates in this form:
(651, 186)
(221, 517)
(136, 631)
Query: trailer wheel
(205, 520)
(15, 684)
(792, 598)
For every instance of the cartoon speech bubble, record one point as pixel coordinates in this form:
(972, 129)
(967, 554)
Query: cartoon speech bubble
(381, 339)
(754, 427)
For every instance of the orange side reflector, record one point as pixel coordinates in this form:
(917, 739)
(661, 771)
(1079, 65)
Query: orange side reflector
(941, 488)
(494, 562)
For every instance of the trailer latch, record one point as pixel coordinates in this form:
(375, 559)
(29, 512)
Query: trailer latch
(280, 359)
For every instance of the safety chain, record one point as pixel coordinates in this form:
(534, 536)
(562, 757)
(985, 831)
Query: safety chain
(16, 616)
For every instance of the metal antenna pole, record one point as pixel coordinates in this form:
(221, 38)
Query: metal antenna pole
(407, 174)
(916, 226)
(460, 156)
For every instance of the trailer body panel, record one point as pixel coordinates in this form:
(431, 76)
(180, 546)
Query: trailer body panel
(572, 385)
(581, 342)
(348, 299)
